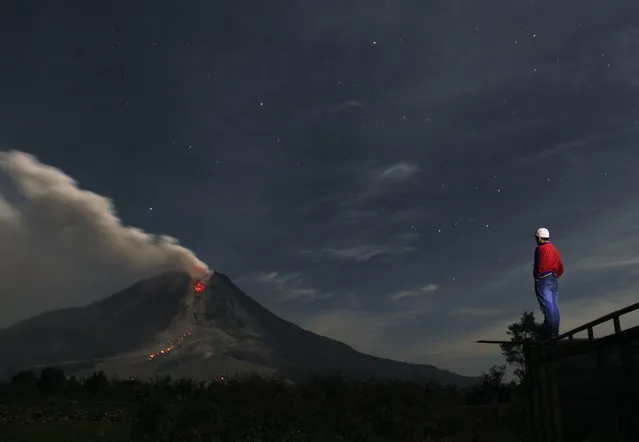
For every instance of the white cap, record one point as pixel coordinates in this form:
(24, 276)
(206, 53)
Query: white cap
(543, 233)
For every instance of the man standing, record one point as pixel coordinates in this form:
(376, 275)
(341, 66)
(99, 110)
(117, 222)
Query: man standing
(547, 270)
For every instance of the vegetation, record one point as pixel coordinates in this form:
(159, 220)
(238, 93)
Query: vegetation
(527, 329)
(53, 407)
(50, 406)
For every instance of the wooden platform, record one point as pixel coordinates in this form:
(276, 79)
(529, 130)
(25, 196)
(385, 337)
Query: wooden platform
(584, 389)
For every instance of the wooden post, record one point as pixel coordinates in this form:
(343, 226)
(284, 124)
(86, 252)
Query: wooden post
(538, 397)
(543, 391)
(606, 400)
(550, 399)
(532, 387)
(554, 409)
(629, 393)
(544, 402)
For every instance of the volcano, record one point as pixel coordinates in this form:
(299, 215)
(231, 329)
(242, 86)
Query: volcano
(169, 325)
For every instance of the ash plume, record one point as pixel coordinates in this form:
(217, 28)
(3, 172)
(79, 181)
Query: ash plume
(63, 246)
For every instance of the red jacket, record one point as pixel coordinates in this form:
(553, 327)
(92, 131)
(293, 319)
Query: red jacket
(547, 261)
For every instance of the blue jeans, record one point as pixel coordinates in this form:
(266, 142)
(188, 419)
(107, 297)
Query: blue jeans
(547, 290)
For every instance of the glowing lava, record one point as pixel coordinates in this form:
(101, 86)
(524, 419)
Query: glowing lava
(170, 348)
(198, 286)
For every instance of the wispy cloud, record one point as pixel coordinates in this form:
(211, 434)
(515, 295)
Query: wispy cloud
(318, 112)
(375, 180)
(366, 252)
(625, 52)
(544, 154)
(361, 221)
(291, 287)
(476, 312)
(429, 288)
(617, 252)
(608, 261)
(348, 104)
(373, 333)
(455, 352)
(399, 172)
(621, 263)
(366, 332)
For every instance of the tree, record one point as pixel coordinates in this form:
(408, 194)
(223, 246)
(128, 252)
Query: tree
(527, 329)
(52, 380)
(491, 387)
(24, 381)
(97, 384)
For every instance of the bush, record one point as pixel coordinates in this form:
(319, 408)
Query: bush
(252, 408)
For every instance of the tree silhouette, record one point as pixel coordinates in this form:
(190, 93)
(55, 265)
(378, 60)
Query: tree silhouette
(527, 329)
(52, 380)
(97, 383)
(491, 387)
(24, 381)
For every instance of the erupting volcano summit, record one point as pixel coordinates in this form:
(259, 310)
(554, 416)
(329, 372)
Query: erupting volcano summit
(192, 327)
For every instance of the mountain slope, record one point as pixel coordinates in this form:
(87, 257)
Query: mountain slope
(161, 326)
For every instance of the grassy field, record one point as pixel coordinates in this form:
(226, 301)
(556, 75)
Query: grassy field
(68, 431)
(256, 409)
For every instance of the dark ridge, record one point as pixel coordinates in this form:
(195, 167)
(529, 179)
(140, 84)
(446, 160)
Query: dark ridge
(116, 327)
(120, 323)
(307, 353)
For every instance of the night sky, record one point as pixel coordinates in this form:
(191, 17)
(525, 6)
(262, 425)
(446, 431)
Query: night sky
(372, 171)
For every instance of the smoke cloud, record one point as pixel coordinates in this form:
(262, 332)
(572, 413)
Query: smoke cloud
(62, 246)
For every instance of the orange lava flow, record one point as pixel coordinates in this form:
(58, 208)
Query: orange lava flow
(198, 286)
(165, 351)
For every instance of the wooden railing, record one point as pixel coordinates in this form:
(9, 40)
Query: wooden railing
(542, 359)
(614, 316)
